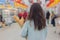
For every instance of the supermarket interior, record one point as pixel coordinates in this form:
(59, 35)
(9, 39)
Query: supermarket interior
(14, 13)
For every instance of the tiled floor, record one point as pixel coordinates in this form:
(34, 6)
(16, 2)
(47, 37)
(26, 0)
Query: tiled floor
(13, 33)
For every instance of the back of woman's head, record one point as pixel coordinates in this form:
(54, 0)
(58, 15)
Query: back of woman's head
(37, 15)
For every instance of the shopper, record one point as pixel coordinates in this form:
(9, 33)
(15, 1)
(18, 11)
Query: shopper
(2, 24)
(47, 16)
(35, 27)
(0, 20)
(53, 19)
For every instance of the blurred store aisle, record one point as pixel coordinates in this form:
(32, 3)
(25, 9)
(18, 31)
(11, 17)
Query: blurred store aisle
(13, 33)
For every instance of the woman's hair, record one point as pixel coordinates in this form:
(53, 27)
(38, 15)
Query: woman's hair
(37, 15)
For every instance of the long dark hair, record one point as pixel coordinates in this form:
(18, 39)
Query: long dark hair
(37, 15)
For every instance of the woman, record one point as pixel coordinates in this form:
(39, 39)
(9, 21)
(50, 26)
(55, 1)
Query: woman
(2, 24)
(47, 16)
(35, 27)
(0, 20)
(53, 19)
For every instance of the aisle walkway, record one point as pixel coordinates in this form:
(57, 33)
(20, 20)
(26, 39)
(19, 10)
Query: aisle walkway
(51, 33)
(13, 33)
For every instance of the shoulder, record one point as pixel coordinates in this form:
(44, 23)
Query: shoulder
(27, 22)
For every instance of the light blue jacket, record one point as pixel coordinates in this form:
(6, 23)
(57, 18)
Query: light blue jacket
(32, 34)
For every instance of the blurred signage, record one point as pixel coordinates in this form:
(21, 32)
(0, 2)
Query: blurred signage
(52, 3)
(20, 5)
